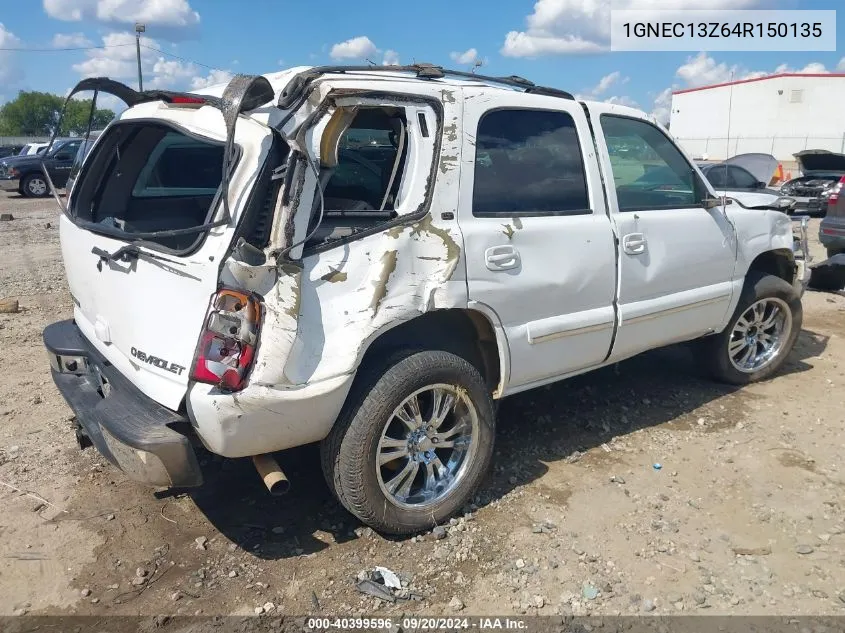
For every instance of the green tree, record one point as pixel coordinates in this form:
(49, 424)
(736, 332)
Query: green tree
(38, 113)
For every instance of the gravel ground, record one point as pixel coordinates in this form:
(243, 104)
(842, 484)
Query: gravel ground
(744, 516)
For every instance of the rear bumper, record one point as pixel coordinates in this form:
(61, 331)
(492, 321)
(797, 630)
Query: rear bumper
(128, 428)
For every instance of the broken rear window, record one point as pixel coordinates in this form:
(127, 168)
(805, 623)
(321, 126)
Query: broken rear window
(149, 177)
(361, 187)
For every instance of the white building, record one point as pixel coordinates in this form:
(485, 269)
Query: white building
(780, 115)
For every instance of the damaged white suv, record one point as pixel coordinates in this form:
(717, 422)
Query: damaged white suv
(368, 257)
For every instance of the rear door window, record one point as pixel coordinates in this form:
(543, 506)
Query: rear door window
(150, 177)
(528, 162)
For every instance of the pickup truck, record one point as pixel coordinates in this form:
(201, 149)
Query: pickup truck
(25, 174)
(370, 257)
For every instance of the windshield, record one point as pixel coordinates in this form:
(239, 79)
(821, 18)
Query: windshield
(144, 178)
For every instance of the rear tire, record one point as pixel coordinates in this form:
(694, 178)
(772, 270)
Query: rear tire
(443, 444)
(834, 251)
(760, 334)
(35, 186)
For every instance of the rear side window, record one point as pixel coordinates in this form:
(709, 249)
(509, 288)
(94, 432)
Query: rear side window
(149, 177)
(528, 162)
(738, 177)
(717, 176)
(180, 166)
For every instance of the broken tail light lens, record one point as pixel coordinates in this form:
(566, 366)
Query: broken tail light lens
(228, 340)
(833, 197)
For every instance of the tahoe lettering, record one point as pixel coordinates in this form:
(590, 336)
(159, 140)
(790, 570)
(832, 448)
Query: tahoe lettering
(158, 362)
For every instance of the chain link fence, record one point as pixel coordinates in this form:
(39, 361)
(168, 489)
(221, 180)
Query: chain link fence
(6, 141)
(781, 147)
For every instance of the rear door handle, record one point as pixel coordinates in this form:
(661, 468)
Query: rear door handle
(501, 257)
(634, 244)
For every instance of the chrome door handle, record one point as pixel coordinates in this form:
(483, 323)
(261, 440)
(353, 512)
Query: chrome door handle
(501, 257)
(634, 244)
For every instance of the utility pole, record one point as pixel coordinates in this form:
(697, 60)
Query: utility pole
(139, 28)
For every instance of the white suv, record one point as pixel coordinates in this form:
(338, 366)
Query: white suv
(369, 257)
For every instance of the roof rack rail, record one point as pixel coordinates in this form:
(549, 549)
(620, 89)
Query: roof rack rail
(297, 86)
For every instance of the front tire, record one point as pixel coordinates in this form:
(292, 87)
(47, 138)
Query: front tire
(413, 442)
(760, 334)
(35, 186)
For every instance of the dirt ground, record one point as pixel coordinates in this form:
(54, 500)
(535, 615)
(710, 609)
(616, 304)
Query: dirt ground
(746, 514)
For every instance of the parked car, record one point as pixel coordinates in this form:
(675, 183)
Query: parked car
(745, 178)
(10, 150)
(832, 227)
(821, 170)
(25, 174)
(258, 298)
(33, 149)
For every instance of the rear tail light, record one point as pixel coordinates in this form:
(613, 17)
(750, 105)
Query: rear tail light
(227, 343)
(188, 100)
(833, 198)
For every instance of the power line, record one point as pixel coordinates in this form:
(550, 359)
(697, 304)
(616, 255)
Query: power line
(184, 59)
(57, 50)
(91, 48)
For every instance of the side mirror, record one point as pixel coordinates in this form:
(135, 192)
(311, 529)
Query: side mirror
(759, 185)
(63, 156)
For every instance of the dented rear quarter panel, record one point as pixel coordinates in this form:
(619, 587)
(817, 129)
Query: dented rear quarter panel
(324, 311)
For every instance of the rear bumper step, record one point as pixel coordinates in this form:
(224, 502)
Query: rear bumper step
(129, 429)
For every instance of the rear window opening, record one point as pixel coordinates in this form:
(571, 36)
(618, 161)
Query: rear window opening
(146, 177)
(362, 178)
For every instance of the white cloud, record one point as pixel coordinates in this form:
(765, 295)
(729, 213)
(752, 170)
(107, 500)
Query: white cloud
(359, 47)
(119, 62)
(596, 93)
(559, 27)
(518, 44)
(467, 58)
(814, 68)
(71, 40)
(702, 70)
(212, 79)
(841, 65)
(9, 70)
(606, 82)
(662, 108)
(172, 13)
(391, 58)
(622, 100)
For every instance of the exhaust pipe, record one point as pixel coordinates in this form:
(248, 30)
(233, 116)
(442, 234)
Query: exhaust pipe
(268, 468)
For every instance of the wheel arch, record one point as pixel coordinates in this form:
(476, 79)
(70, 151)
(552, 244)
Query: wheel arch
(473, 333)
(779, 262)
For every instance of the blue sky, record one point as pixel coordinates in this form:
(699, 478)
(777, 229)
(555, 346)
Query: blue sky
(554, 42)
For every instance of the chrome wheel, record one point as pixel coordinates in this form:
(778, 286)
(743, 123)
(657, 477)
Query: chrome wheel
(427, 445)
(37, 187)
(759, 335)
